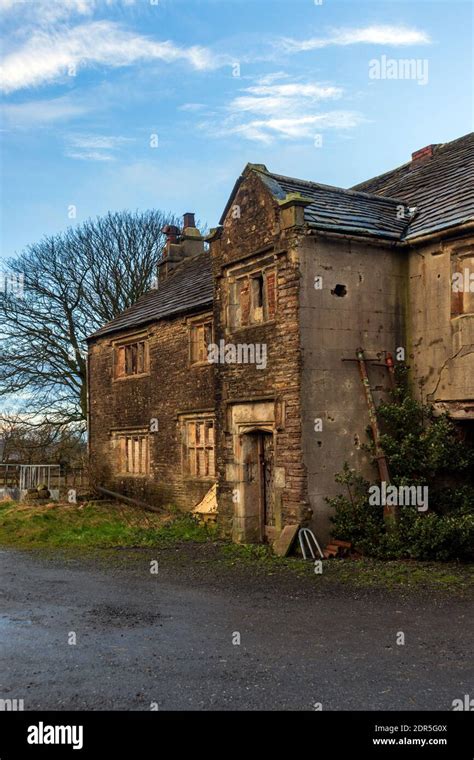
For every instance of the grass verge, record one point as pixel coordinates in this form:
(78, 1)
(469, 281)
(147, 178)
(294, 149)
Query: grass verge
(104, 525)
(453, 577)
(94, 525)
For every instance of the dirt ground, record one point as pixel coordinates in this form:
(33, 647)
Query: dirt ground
(202, 635)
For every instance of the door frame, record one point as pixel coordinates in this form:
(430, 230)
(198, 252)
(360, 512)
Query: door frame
(255, 438)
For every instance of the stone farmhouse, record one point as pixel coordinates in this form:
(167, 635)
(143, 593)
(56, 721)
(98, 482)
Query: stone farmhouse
(238, 373)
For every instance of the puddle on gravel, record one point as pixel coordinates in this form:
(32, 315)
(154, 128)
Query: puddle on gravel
(6, 620)
(112, 615)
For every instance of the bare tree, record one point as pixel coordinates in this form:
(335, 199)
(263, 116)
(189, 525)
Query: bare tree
(73, 284)
(22, 442)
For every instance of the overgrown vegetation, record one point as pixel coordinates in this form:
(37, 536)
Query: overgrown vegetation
(96, 524)
(422, 449)
(96, 530)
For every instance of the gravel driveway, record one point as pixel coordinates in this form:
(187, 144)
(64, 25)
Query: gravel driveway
(172, 639)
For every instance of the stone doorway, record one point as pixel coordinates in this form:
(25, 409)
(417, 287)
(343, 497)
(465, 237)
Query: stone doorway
(258, 483)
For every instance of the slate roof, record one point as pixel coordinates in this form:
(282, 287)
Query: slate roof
(340, 210)
(441, 187)
(189, 287)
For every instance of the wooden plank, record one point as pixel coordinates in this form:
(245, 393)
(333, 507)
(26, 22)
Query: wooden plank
(120, 361)
(136, 455)
(144, 455)
(201, 462)
(211, 462)
(244, 299)
(122, 463)
(270, 278)
(200, 353)
(284, 542)
(141, 358)
(208, 504)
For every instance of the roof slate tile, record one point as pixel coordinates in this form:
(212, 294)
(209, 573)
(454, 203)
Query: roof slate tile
(187, 288)
(441, 187)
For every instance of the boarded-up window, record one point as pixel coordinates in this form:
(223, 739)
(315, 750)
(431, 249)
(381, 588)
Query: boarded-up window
(233, 310)
(131, 359)
(200, 336)
(257, 298)
(244, 300)
(270, 294)
(132, 451)
(198, 447)
(252, 298)
(462, 297)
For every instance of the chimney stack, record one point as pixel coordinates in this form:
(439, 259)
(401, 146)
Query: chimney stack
(423, 154)
(179, 244)
(192, 241)
(188, 220)
(172, 233)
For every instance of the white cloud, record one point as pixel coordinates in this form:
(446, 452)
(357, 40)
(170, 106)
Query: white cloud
(273, 77)
(192, 107)
(42, 112)
(267, 130)
(287, 111)
(45, 12)
(108, 142)
(314, 91)
(90, 147)
(49, 55)
(92, 155)
(284, 99)
(370, 35)
(281, 99)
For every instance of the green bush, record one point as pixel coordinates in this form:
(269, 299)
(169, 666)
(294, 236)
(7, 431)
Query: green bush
(422, 449)
(441, 537)
(355, 519)
(415, 536)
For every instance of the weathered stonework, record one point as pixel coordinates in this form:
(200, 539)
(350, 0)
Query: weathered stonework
(251, 399)
(311, 274)
(371, 314)
(171, 388)
(440, 341)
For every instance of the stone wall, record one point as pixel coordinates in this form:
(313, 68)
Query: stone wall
(440, 339)
(251, 234)
(359, 302)
(309, 397)
(171, 387)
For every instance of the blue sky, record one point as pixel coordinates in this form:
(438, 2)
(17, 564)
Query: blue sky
(87, 84)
